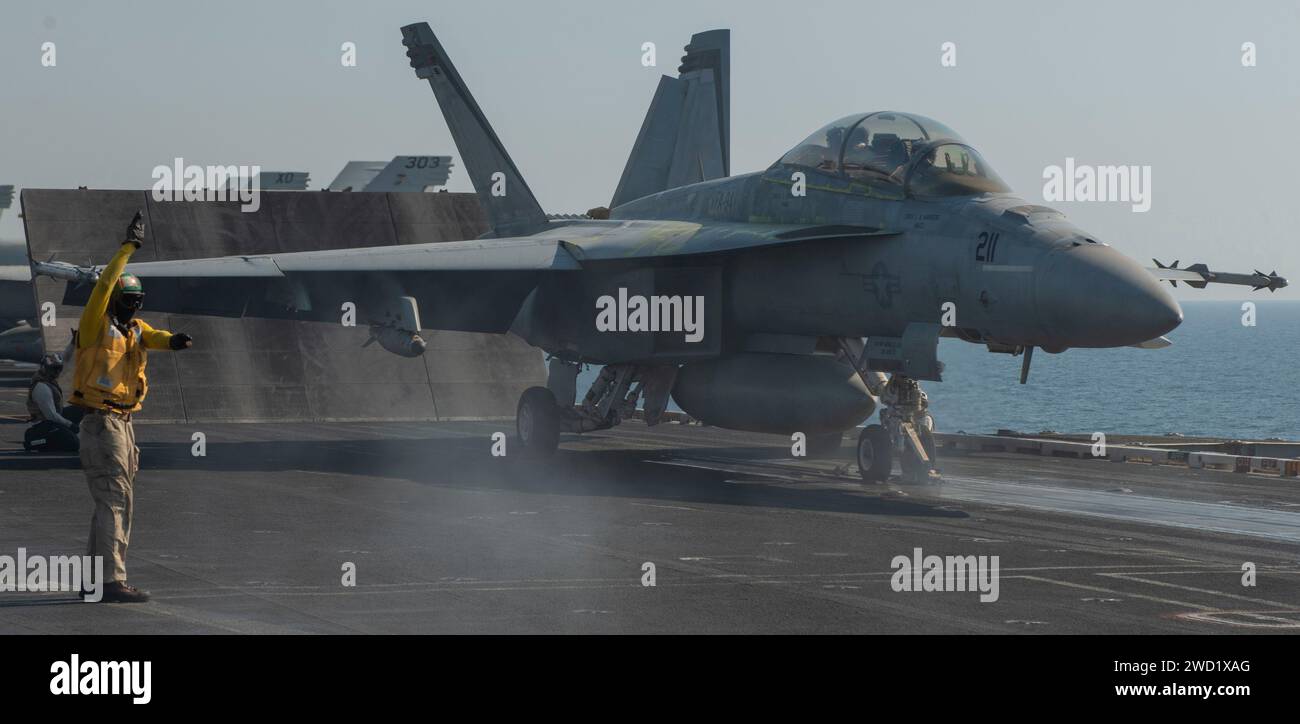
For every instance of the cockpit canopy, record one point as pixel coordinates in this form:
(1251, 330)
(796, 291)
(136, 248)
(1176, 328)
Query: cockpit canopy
(924, 156)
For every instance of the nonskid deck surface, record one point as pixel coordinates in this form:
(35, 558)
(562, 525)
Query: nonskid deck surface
(445, 538)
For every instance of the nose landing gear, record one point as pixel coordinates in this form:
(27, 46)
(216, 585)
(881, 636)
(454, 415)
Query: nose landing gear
(906, 432)
(906, 429)
(875, 454)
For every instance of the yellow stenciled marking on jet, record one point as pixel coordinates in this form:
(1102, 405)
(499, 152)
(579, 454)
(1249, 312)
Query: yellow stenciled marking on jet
(665, 237)
(658, 237)
(852, 190)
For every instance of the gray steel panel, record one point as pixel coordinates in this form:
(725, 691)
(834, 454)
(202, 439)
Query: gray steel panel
(475, 400)
(188, 230)
(308, 221)
(332, 354)
(245, 403)
(373, 401)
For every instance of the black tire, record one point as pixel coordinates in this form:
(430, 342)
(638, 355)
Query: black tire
(824, 445)
(537, 422)
(913, 470)
(875, 454)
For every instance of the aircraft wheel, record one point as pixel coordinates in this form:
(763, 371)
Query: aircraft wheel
(825, 445)
(537, 421)
(875, 454)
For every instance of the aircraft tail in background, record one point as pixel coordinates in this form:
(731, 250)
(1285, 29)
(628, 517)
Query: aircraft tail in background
(403, 173)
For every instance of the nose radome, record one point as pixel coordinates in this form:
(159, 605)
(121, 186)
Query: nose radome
(1093, 296)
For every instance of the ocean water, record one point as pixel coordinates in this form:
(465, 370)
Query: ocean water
(1219, 378)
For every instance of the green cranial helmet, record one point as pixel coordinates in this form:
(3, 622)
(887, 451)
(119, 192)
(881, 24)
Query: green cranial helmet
(129, 291)
(129, 283)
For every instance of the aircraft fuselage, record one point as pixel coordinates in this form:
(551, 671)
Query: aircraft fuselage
(990, 268)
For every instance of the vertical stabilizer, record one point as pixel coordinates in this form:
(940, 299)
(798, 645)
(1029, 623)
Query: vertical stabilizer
(686, 135)
(505, 197)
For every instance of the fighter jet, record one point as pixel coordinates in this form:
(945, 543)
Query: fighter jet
(787, 300)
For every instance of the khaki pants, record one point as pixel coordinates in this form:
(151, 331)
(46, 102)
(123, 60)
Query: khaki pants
(110, 459)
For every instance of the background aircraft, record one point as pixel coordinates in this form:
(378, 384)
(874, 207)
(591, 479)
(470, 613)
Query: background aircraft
(403, 173)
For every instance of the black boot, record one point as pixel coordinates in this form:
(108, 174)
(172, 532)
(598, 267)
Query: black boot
(120, 592)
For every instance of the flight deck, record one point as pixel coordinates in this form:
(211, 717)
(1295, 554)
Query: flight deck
(253, 536)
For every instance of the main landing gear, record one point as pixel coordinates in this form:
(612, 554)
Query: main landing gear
(537, 421)
(545, 412)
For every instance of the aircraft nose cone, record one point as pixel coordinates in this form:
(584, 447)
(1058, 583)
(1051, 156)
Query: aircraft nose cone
(1094, 296)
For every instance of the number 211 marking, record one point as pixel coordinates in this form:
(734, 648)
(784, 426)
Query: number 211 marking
(987, 247)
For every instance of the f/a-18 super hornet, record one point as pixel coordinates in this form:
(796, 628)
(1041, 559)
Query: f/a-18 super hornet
(789, 300)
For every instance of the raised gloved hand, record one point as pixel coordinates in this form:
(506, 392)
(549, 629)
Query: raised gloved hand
(135, 232)
(181, 340)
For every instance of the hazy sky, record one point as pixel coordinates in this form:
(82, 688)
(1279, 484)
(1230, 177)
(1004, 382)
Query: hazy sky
(1157, 83)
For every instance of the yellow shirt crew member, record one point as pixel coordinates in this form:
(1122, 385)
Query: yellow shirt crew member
(110, 382)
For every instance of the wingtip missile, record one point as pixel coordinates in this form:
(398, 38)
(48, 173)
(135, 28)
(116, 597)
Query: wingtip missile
(1172, 282)
(64, 271)
(1199, 276)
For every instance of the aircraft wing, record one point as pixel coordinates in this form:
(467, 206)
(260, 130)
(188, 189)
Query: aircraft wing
(15, 273)
(646, 239)
(559, 249)
(522, 254)
(471, 286)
